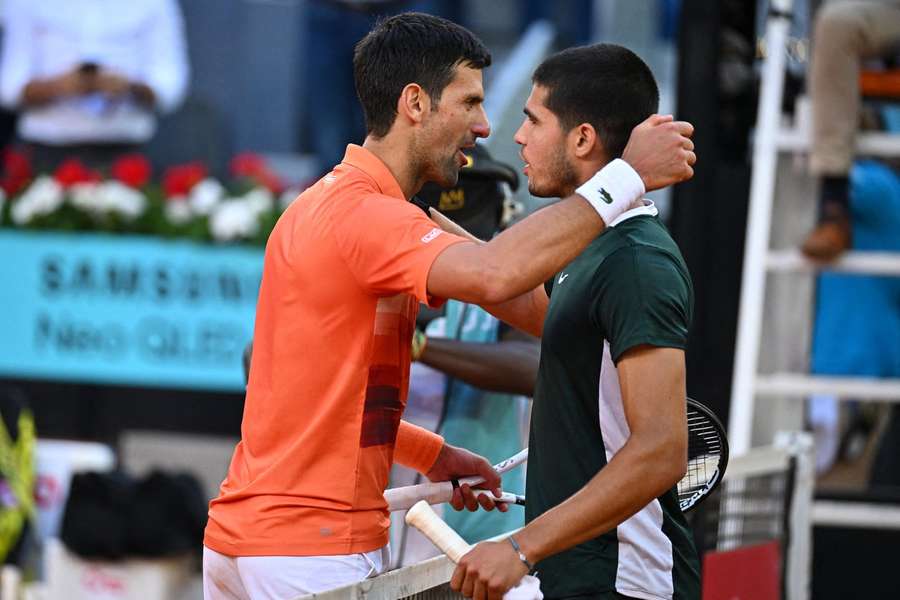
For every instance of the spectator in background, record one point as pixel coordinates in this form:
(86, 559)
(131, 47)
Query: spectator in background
(334, 117)
(573, 19)
(846, 32)
(87, 76)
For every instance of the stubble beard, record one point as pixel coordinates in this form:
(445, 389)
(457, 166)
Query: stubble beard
(561, 177)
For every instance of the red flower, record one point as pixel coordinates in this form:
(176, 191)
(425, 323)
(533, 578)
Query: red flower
(253, 166)
(178, 180)
(73, 171)
(132, 169)
(247, 164)
(17, 171)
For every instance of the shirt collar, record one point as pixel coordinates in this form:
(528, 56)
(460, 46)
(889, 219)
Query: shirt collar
(649, 208)
(371, 165)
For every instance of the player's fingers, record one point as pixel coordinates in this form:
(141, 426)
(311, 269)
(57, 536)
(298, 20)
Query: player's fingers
(459, 575)
(480, 591)
(495, 589)
(691, 158)
(687, 144)
(659, 119)
(491, 478)
(502, 506)
(684, 128)
(456, 501)
(468, 585)
(469, 498)
(486, 502)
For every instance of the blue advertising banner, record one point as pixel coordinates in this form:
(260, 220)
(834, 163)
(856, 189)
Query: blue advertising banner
(126, 309)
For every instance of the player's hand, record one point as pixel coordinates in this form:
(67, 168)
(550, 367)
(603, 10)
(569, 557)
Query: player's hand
(453, 463)
(488, 571)
(661, 151)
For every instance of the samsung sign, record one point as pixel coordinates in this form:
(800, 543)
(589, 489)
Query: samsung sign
(126, 310)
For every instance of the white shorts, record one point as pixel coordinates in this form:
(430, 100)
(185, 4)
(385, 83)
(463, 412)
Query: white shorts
(285, 577)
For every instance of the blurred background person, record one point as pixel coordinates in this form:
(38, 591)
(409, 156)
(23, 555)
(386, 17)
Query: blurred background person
(87, 80)
(846, 33)
(332, 29)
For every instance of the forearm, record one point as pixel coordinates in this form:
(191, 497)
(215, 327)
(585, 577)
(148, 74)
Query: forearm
(637, 474)
(525, 312)
(508, 367)
(526, 255)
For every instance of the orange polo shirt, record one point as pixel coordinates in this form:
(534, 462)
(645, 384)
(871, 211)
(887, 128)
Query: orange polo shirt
(345, 269)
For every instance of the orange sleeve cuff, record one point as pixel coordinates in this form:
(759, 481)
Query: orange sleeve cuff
(417, 448)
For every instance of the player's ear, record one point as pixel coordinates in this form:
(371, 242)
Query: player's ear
(414, 103)
(585, 140)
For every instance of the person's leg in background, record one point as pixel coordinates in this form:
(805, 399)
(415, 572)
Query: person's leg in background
(333, 117)
(573, 19)
(845, 34)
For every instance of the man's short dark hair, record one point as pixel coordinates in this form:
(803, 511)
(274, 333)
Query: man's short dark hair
(410, 48)
(605, 85)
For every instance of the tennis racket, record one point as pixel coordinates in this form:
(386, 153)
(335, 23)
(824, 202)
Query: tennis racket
(707, 456)
(707, 461)
(402, 498)
(422, 517)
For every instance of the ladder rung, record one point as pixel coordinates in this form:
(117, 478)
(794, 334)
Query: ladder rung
(855, 388)
(873, 143)
(866, 515)
(862, 263)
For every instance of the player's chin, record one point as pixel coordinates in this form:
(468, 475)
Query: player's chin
(449, 176)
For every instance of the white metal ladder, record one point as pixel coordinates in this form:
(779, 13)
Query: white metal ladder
(771, 138)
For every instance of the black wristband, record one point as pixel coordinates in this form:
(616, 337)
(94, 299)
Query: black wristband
(421, 204)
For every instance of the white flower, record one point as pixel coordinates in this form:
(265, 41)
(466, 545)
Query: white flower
(85, 196)
(287, 197)
(260, 199)
(233, 219)
(177, 210)
(119, 198)
(206, 195)
(42, 197)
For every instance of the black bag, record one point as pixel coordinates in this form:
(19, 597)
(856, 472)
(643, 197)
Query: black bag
(113, 516)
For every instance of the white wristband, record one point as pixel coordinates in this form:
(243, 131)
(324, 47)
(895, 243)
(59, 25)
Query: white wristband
(612, 190)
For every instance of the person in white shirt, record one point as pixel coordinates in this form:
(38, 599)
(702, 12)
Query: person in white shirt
(88, 76)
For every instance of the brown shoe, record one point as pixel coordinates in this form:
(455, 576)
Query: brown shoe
(828, 240)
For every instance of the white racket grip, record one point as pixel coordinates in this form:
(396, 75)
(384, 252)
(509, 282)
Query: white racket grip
(404, 497)
(422, 517)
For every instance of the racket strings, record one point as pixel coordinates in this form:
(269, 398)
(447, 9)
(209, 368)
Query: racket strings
(705, 451)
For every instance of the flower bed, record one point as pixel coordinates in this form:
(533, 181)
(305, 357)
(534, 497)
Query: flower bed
(185, 202)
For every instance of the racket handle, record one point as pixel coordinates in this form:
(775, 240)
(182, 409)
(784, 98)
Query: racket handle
(402, 498)
(422, 517)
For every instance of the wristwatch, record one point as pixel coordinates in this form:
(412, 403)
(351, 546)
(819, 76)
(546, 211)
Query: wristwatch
(521, 554)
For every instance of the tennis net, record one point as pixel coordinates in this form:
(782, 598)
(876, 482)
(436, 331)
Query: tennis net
(765, 496)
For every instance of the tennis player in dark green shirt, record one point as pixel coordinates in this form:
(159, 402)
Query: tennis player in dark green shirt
(608, 438)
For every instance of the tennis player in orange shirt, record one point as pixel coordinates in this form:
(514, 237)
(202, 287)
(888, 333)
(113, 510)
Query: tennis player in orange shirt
(301, 509)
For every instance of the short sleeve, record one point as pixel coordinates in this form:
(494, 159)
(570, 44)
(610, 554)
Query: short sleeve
(389, 245)
(642, 295)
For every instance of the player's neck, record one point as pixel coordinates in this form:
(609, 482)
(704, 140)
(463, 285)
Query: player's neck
(584, 170)
(395, 155)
